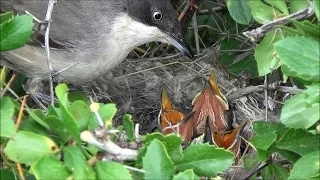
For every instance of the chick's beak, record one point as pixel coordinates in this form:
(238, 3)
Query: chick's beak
(178, 42)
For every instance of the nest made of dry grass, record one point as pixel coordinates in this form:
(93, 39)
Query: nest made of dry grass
(135, 86)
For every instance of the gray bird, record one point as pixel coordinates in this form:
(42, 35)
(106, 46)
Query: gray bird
(91, 37)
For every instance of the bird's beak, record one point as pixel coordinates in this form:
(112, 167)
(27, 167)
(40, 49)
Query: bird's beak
(178, 42)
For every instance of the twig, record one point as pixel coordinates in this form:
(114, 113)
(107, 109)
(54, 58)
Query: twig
(183, 13)
(65, 69)
(196, 32)
(242, 92)
(135, 169)
(8, 85)
(95, 110)
(45, 27)
(256, 34)
(34, 18)
(20, 170)
(2, 75)
(19, 120)
(122, 154)
(136, 131)
(241, 159)
(266, 97)
(207, 11)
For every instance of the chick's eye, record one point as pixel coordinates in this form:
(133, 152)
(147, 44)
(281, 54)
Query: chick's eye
(157, 15)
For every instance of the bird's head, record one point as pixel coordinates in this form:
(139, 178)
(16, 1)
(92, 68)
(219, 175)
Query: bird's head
(155, 20)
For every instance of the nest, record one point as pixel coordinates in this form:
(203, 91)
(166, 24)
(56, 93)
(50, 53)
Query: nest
(135, 87)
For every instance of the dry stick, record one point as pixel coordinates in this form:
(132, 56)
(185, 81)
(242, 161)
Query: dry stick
(8, 85)
(19, 167)
(196, 32)
(110, 147)
(20, 170)
(46, 28)
(266, 96)
(3, 71)
(255, 34)
(242, 157)
(242, 92)
(209, 10)
(183, 13)
(19, 120)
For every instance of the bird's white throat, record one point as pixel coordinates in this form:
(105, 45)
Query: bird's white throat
(128, 31)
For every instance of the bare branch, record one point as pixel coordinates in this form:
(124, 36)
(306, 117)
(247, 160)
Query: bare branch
(45, 27)
(256, 34)
(122, 154)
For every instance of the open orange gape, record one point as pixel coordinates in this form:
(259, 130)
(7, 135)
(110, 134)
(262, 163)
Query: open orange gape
(207, 117)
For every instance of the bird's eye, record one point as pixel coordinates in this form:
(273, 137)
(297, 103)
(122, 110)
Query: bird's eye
(157, 15)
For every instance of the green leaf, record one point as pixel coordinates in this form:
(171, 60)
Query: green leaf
(307, 27)
(267, 173)
(205, 159)
(225, 56)
(7, 126)
(6, 16)
(6, 174)
(299, 141)
(172, 143)
(262, 127)
(58, 127)
(81, 114)
(26, 147)
(250, 163)
(32, 126)
(264, 141)
(239, 11)
(15, 32)
(306, 61)
(76, 162)
(263, 13)
(267, 134)
(70, 125)
(316, 7)
(67, 118)
(246, 65)
(38, 116)
(298, 5)
(128, 126)
(78, 96)
(107, 113)
(313, 93)
(157, 162)
(289, 155)
(306, 167)
(301, 111)
(279, 4)
(262, 155)
(53, 111)
(156, 135)
(187, 174)
(290, 32)
(62, 94)
(49, 168)
(280, 172)
(264, 53)
(111, 170)
(174, 148)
